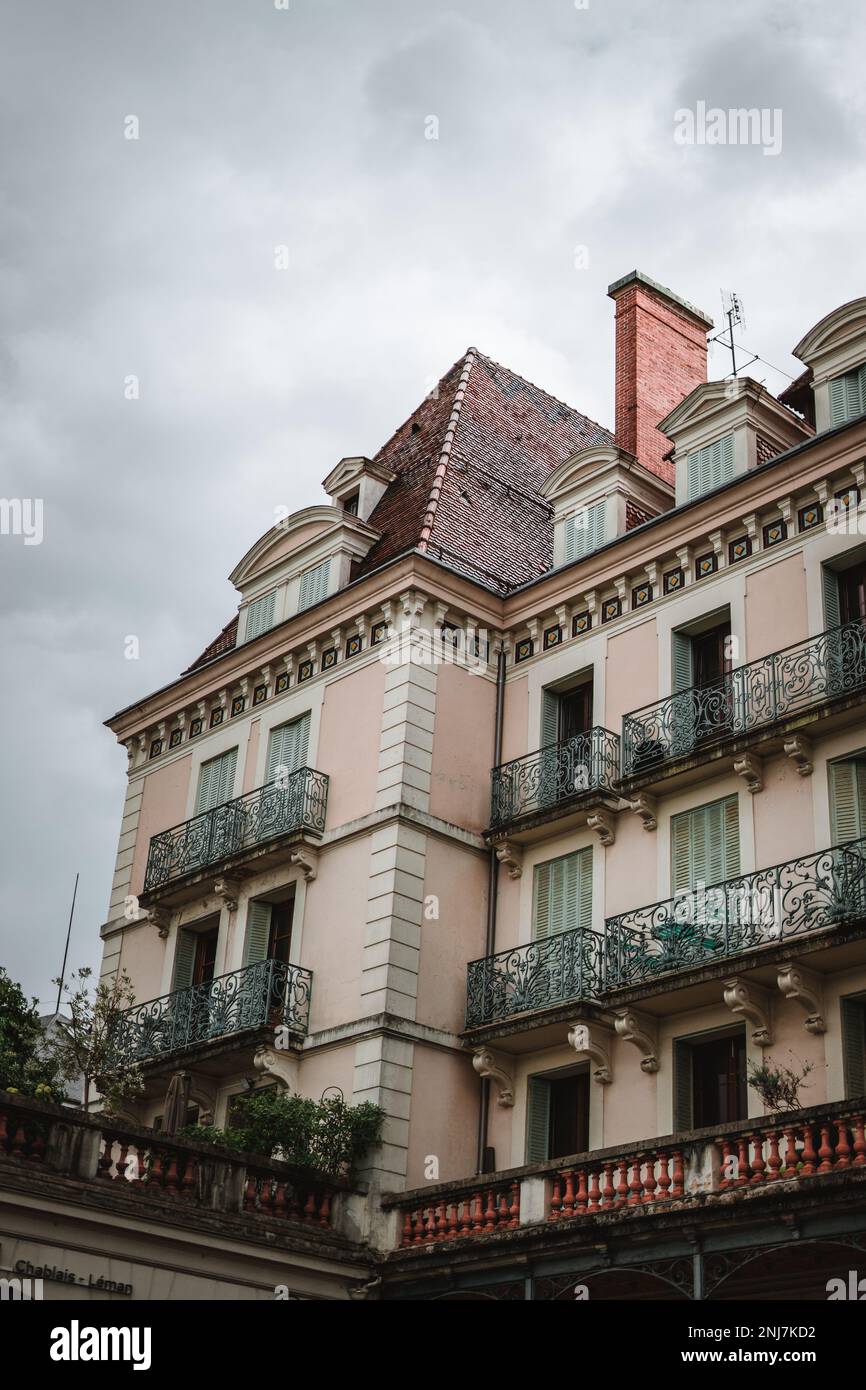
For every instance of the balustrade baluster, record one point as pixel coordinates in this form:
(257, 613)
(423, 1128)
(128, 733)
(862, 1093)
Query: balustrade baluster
(809, 1154)
(859, 1141)
(758, 1164)
(649, 1182)
(843, 1148)
(774, 1162)
(825, 1151)
(664, 1178)
(678, 1188)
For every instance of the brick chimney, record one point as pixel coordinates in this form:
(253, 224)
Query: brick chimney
(661, 355)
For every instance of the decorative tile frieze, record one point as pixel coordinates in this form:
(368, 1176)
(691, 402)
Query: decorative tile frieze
(739, 549)
(552, 637)
(641, 595)
(775, 532)
(581, 623)
(706, 565)
(523, 649)
(810, 515)
(672, 580)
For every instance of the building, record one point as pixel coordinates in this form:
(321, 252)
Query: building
(524, 796)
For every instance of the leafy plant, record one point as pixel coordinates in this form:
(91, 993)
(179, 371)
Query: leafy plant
(26, 1065)
(328, 1135)
(778, 1087)
(85, 1043)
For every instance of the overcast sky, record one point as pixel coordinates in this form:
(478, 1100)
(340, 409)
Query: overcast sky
(307, 127)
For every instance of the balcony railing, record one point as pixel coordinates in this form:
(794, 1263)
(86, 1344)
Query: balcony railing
(556, 970)
(269, 992)
(823, 889)
(752, 697)
(556, 774)
(298, 803)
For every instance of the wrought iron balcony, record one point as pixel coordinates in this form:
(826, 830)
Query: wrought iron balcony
(751, 698)
(559, 969)
(296, 804)
(267, 993)
(823, 889)
(555, 776)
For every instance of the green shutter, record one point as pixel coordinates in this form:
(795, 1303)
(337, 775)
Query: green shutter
(682, 671)
(711, 466)
(705, 845)
(537, 1120)
(258, 932)
(848, 396)
(184, 959)
(287, 746)
(853, 1013)
(681, 853)
(586, 531)
(562, 894)
(260, 615)
(848, 800)
(683, 1087)
(314, 585)
(549, 717)
(216, 781)
(832, 606)
(570, 539)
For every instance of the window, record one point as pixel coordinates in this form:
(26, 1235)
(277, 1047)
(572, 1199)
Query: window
(700, 660)
(557, 1116)
(848, 799)
(848, 396)
(287, 748)
(710, 1080)
(350, 506)
(260, 615)
(195, 957)
(854, 1045)
(314, 585)
(709, 467)
(705, 845)
(269, 931)
(562, 894)
(585, 531)
(566, 713)
(216, 781)
(700, 657)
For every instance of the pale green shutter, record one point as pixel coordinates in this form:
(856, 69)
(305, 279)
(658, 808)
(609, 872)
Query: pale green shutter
(597, 525)
(847, 800)
(683, 1087)
(681, 661)
(184, 959)
(848, 396)
(730, 814)
(586, 531)
(287, 747)
(260, 615)
(705, 845)
(853, 1012)
(832, 607)
(258, 932)
(549, 717)
(711, 466)
(570, 540)
(562, 894)
(681, 853)
(216, 781)
(537, 1120)
(314, 585)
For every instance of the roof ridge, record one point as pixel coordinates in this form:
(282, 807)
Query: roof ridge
(445, 452)
(485, 357)
(393, 435)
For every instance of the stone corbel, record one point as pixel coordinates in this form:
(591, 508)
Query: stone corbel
(786, 507)
(414, 603)
(201, 710)
(129, 745)
(623, 594)
(159, 918)
(716, 539)
(590, 603)
(512, 857)
(751, 769)
(822, 492)
(361, 624)
(753, 530)
(684, 555)
(604, 825)
(337, 640)
(651, 569)
(282, 1066)
(228, 889)
(738, 998)
(306, 858)
(494, 1066)
(799, 750)
(563, 617)
(805, 988)
(313, 652)
(635, 1028)
(289, 666)
(593, 1041)
(645, 807)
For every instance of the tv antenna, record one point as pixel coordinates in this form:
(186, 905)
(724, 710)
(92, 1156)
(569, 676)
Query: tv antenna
(733, 311)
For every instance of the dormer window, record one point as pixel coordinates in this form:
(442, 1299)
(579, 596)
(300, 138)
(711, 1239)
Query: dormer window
(260, 615)
(350, 505)
(585, 531)
(314, 585)
(848, 396)
(709, 467)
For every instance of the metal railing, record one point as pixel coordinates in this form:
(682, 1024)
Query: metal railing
(823, 889)
(268, 992)
(754, 696)
(555, 970)
(296, 803)
(553, 775)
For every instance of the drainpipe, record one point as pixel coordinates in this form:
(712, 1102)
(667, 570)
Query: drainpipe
(492, 895)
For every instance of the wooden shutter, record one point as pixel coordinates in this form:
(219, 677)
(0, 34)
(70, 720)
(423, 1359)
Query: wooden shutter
(216, 781)
(314, 585)
(832, 605)
(258, 932)
(705, 845)
(682, 666)
(260, 615)
(586, 531)
(848, 800)
(683, 1087)
(854, 1046)
(549, 717)
(184, 959)
(711, 466)
(287, 746)
(848, 396)
(562, 894)
(537, 1119)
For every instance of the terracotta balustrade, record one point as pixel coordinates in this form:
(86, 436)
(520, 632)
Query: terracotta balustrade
(476, 1213)
(310, 1202)
(21, 1136)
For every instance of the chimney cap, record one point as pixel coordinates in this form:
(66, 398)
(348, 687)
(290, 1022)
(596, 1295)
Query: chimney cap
(638, 275)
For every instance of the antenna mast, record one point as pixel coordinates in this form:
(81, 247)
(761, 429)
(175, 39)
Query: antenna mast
(66, 951)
